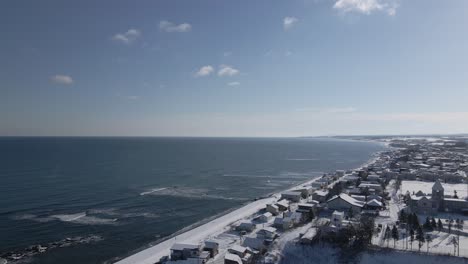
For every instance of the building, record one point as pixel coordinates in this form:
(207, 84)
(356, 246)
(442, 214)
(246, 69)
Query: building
(337, 218)
(436, 202)
(180, 251)
(212, 247)
(246, 226)
(292, 196)
(272, 208)
(230, 258)
(344, 202)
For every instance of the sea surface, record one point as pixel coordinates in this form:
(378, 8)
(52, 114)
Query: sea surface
(134, 191)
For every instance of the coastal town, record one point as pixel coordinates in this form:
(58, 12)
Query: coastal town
(410, 198)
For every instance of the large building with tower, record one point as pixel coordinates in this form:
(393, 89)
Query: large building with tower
(437, 202)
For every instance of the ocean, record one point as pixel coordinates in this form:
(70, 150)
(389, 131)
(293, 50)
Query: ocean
(113, 196)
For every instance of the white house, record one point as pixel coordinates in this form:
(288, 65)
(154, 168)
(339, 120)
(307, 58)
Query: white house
(337, 218)
(246, 226)
(272, 208)
(265, 217)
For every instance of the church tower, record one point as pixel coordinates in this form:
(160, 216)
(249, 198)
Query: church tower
(438, 196)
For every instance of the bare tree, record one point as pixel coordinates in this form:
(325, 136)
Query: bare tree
(428, 241)
(454, 241)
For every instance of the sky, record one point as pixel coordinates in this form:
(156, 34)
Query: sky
(263, 68)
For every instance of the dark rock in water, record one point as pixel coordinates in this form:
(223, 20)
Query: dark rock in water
(14, 256)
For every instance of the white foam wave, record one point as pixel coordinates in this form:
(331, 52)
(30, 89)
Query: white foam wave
(192, 193)
(152, 191)
(303, 159)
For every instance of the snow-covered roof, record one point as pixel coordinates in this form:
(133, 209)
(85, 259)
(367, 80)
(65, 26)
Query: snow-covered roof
(284, 203)
(307, 205)
(181, 246)
(291, 193)
(267, 215)
(233, 257)
(374, 202)
(269, 229)
(347, 199)
(321, 193)
(237, 248)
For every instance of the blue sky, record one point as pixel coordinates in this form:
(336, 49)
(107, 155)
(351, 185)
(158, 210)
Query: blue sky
(233, 68)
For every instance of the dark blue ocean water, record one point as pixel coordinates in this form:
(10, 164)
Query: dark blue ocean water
(133, 191)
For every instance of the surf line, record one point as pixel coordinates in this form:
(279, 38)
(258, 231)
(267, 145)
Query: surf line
(152, 191)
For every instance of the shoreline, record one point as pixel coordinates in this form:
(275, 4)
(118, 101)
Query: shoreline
(216, 224)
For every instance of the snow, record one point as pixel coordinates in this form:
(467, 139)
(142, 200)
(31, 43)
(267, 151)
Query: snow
(325, 254)
(426, 187)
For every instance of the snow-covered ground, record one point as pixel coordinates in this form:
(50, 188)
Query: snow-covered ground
(426, 187)
(325, 254)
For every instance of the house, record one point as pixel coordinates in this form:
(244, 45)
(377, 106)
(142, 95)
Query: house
(291, 196)
(238, 250)
(283, 223)
(180, 251)
(344, 202)
(283, 205)
(255, 243)
(230, 258)
(305, 191)
(373, 205)
(212, 247)
(307, 209)
(264, 217)
(246, 226)
(337, 218)
(267, 232)
(370, 187)
(273, 209)
(309, 236)
(320, 195)
(296, 217)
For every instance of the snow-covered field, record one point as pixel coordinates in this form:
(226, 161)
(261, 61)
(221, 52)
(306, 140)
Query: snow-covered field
(324, 254)
(426, 187)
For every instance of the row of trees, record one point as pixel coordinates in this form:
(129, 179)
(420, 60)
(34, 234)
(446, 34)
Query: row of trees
(416, 230)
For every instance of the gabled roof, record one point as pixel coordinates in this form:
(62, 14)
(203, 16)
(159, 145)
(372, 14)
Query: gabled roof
(347, 199)
(374, 202)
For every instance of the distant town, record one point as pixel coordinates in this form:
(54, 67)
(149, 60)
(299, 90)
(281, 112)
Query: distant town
(410, 198)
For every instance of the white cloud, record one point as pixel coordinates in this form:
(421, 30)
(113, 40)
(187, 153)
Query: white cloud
(171, 27)
(226, 70)
(367, 6)
(127, 37)
(227, 53)
(61, 79)
(234, 84)
(204, 71)
(289, 22)
(288, 53)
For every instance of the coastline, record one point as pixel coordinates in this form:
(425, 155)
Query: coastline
(216, 224)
